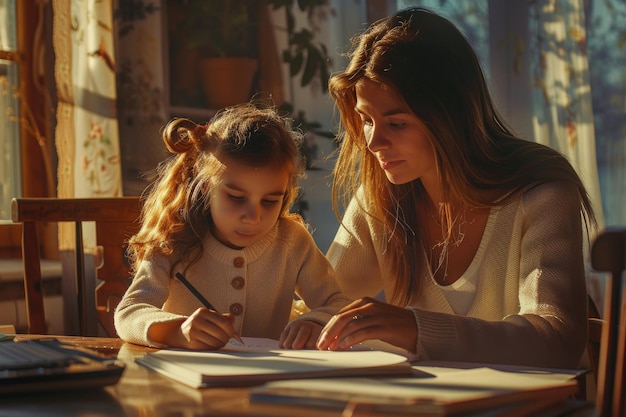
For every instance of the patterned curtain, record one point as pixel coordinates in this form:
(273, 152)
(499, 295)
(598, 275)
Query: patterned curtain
(87, 137)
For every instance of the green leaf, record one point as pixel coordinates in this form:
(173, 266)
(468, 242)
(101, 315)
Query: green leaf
(295, 65)
(312, 64)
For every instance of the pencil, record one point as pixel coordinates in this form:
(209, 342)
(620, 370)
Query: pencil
(203, 300)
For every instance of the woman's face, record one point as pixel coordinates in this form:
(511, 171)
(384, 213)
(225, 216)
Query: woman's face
(246, 203)
(394, 135)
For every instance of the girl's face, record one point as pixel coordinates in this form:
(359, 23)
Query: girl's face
(394, 135)
(246, 203)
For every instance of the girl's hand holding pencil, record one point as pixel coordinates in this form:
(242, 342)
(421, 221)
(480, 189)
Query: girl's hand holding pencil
(208, 328)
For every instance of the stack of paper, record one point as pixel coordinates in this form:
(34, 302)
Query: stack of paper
(435, 390)
(368, 382)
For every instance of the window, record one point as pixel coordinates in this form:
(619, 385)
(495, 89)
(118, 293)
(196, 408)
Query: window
(26, 113)
(10, 184)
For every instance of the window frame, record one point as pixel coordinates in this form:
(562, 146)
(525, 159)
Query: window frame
(34, 111)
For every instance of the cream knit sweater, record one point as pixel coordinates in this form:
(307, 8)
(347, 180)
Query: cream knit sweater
(530, 304)
(256, 284)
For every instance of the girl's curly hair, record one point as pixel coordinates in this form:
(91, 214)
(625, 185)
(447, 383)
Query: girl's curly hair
(176, 216)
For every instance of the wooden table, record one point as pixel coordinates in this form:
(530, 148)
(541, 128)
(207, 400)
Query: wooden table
(142, 393)
(139, 393)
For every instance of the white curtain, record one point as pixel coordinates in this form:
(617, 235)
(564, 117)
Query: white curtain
(563, 113)
(562, 104)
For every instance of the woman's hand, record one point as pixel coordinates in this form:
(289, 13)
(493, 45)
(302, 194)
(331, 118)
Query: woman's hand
(300, 334)
(367, 319)
(204, 329)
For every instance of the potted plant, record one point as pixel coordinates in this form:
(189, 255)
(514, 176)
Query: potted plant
(221, 36)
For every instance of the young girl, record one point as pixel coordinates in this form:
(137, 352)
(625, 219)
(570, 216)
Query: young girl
(475, 235)
(219, 215)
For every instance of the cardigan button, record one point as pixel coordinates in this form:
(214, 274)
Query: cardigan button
(237, 283)
(238, 262)
(235, 309)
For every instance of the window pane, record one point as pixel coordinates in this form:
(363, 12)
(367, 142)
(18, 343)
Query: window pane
(606, 43)
(7, 25)
(10, 185)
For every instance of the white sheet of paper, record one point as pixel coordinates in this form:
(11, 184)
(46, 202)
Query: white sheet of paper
(253, 344)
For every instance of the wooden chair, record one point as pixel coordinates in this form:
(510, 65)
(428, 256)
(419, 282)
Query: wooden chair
(116, 219)
(594, 341)
(608, 254)
(595, 322)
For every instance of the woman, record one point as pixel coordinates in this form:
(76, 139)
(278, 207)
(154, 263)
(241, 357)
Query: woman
(474, 235)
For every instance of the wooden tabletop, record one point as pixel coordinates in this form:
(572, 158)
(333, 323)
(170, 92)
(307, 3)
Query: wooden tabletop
(143, 393)
(140, 393)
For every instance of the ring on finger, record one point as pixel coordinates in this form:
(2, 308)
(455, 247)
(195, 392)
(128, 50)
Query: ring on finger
(358, 316)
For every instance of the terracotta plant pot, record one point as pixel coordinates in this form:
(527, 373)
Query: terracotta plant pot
(227, 81)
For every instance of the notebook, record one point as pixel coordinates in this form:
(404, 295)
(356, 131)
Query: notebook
(254, 364)
(47, 364)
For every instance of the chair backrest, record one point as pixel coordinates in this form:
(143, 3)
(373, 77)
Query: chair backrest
(115, 218)
(608, 254)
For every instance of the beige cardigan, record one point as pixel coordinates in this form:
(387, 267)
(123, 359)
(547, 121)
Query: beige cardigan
(530, 305)
(258, 281)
